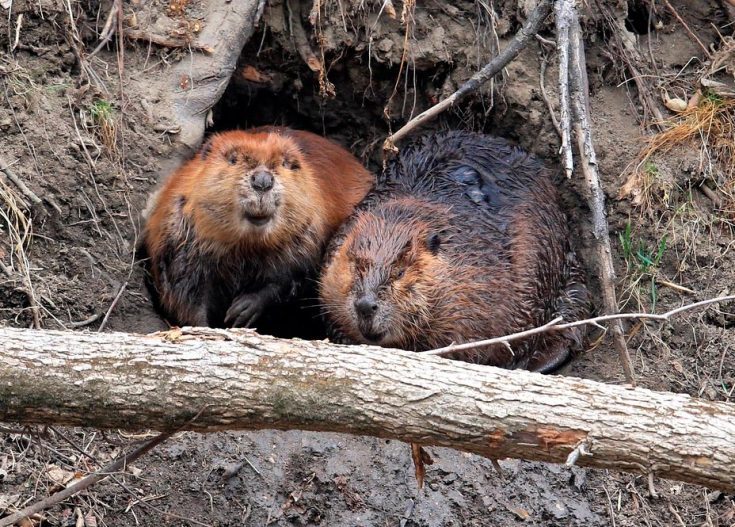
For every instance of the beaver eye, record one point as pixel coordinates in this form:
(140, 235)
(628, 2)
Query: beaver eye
(399, 273)
(232, 158)
(290, 164)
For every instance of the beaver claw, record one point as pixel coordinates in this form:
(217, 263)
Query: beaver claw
(247, 308)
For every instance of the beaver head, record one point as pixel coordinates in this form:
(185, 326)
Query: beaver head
(384, 280)
(252, 186)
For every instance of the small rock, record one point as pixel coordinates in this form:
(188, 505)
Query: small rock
(385, 45)
(714, 496)
(450, 478)
(559, 510)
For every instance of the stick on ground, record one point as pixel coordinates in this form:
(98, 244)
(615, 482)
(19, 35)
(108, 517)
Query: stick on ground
(86, 482)
(28, 193)
(557, 325)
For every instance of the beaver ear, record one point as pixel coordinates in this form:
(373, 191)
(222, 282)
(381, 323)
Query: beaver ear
(433, 242)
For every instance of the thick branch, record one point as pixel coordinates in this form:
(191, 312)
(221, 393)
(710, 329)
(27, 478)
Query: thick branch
(161, 381)
(520, 40)
(568, 27)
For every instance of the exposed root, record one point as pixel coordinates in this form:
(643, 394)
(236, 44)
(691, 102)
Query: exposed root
(303, 47)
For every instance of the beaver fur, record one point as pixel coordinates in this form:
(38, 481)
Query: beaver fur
(236, 235)
(463, 239)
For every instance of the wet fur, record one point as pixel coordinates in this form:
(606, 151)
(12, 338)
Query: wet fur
(201, 254)
(476, 226)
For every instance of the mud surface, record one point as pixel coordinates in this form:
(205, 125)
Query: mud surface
(87, 144)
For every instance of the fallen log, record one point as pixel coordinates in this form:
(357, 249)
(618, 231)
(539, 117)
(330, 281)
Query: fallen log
(206, 380)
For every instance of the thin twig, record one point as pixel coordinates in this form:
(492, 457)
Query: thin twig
(688, 29)
(651, 487)
(112, 306)
(520, 40)
(85, 482)
(632, 58)
(123, 486)
(109, 29)
(554, 325)
(545, 96)
(101, 474)
(677, 287)
(5, 167)
(86, 322)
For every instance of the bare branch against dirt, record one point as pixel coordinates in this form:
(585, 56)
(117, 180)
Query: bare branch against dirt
(86, 482)
(627, 52)
(520, 40)
(558, 325)
(116, 11)
(570, 38)
(689, 31)
(112, 306)
(28, 193)
(248, 381)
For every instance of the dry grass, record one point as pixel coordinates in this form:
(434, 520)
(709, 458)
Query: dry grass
(15, 221)
(102, 120)
(708, 126)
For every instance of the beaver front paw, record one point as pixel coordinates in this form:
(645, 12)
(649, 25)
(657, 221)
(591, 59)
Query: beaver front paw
(248, 307)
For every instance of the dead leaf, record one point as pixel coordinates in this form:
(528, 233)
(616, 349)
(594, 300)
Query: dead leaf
(675, 104)
(252, 74)
(6, 4)
(8, 500)
(694, 99)
(58, 475)
(421, 458)
(173, 335)
(522, 514)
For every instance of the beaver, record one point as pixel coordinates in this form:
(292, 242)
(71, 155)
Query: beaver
(462, 239)
(235, 236)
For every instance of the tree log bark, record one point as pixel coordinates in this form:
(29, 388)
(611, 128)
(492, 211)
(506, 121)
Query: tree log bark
(242, 380)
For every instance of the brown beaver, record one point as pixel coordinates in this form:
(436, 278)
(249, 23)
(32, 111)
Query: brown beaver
(242, 227)
(463, 239)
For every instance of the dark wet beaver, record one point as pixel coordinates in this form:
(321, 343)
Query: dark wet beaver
(463, 239)
(242, 227)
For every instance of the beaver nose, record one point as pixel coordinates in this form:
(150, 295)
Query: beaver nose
(366, 306)
(262, 181)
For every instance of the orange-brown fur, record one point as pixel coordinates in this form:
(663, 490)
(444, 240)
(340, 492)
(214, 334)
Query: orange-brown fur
(463, 240)
(204, 215)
